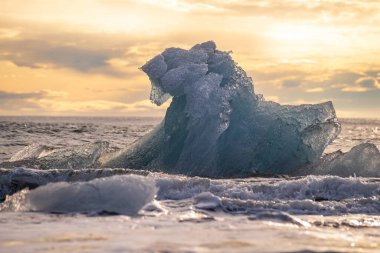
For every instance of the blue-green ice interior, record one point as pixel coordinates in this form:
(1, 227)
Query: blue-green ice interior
(217, 126)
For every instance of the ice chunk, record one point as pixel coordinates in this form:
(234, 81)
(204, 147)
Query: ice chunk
(157, 95)
(222, 63)
(33, 151)
(361, 160)
(14, 180)
(217, 126)
(175, 80)
(204, 91)
(156, 67)
(43, 157)
(276, 134)
(207, 201)
(175, 57)
(180, 67)
(209, 47)
(118, 194)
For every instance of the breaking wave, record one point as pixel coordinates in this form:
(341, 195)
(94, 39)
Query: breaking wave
(308, 195)
(114, 191)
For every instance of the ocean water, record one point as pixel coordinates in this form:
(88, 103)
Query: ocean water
(118, 211)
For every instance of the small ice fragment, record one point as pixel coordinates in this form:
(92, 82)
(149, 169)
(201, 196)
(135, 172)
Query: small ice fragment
(42, 157)
(31, 152)
(278, 216)
(196, 217)
(207, 201)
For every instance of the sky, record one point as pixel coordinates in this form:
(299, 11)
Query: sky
(82, 57)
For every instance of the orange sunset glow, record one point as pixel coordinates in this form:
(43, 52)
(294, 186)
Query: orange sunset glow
(83, 57)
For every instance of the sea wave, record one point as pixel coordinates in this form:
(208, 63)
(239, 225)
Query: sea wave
(306, 195)
(298, 195)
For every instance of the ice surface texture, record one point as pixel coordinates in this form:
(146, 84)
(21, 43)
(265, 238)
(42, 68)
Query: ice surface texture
(217, 126)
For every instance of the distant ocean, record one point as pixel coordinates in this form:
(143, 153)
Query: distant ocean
(187, 214)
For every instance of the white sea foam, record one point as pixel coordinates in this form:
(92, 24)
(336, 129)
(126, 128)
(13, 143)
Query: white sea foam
(279, 217)
(177, 208)
(117, 194)
(310, 187)
(307, 195)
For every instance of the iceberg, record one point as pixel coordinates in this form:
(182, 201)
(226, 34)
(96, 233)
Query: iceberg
(216, 126)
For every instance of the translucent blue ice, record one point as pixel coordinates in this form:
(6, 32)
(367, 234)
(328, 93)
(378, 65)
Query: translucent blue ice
(362, 160)
(217, 126)
(118, 194)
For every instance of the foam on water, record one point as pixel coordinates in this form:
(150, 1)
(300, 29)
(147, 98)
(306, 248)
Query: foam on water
(263, 214)
(279, 217)
(308, 195)
(310, 187)
(117, 194)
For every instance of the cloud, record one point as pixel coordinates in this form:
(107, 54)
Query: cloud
(355, 81)
(43, 54)
(294, 10)
(18, 101)
(37, 53)
(315, 90)
(346, 81)
(289, 9)
(272, 98)
(333, 52)
(103, 107)
(344, 78)
(354, 89)
(291, 83)
(44, 45)
(17, 96)
(51, 102)
(362, 84)
(368, 82)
